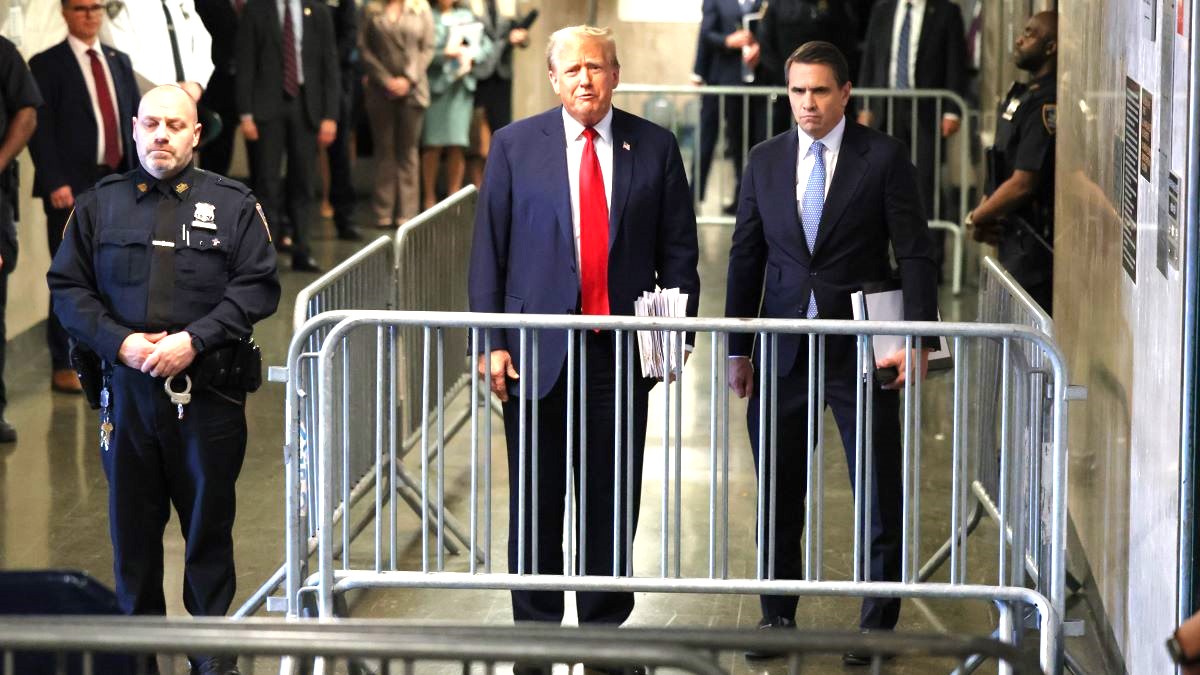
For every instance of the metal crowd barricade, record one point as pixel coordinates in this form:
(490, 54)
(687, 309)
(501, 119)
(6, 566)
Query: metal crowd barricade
(710, 571)
(422, 266)
(88, 645)
(677, 108)
(1003, 300)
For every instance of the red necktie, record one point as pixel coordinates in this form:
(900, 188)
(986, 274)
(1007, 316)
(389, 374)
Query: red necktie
(593, 230)
(291, 77)
(108, 113)
(238, 5)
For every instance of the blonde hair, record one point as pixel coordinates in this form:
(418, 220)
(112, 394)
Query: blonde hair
(582, 33)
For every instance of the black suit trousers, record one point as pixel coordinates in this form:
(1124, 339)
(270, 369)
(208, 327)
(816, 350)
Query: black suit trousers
(293, 135)
(791, 480)
(595, 494)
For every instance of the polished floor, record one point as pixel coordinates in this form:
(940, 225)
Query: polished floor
(53, 510)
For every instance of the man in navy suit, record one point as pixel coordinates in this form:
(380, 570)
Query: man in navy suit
(583, 208)
(83, 134)
(725, 43)
(819, 208)
(917, 44)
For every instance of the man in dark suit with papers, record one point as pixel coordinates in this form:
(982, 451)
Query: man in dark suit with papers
(819, 207)
(583, 208)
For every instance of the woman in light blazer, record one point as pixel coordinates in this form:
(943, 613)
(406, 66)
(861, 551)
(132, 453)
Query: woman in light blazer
(396, 43)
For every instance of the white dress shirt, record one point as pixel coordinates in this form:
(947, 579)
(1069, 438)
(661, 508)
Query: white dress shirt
(80, 48)
(805, 162)
(604, 153)
(297, 30)
(140, 30)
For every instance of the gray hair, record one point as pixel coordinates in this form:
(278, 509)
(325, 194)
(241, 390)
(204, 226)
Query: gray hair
(582, 33)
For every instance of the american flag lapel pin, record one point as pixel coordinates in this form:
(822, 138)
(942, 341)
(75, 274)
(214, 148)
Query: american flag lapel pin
(625, 145)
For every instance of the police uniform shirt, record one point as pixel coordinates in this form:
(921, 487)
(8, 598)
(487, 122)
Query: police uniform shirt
(1025, 130)
(110, 277)
(17, 86)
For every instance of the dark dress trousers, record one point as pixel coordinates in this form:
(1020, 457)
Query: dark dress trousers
(523, 262)
(871, 205)
(64, 145)
(287, 125)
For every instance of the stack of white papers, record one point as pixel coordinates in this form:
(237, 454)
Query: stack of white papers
(659, 348)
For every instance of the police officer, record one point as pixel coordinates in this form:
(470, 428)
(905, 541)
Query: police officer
(162, 271)
(1017, 215)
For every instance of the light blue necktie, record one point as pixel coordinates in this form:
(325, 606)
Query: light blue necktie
(902, 48)
(811, 207)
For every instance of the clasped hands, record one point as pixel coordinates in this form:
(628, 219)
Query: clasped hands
(741, 371)
(159, 354)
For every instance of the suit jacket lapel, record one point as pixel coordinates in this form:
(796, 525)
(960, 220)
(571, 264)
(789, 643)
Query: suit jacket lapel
(847, 174)
(556, 172)
(926, 38)
(74, 71)
(781, 188)
(622, 175)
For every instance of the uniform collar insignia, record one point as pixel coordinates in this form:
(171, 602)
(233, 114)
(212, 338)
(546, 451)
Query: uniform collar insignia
(142, 187)
(181, 188)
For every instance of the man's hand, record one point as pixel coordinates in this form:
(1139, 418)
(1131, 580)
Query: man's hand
(399, 87)
(249, 129)
(741, 376)
(326, 133)
(171, 355)
(739, 38)
(671, 375)
(518, 37)
(897, 359)
(866, 118)
(62, 198)
(950, 126)
(750, 54)
(499, 368)
(137, 347)
(193, 89)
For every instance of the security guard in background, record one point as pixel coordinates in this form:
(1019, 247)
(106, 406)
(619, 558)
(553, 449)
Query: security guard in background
(162, 272)
(1017, 215)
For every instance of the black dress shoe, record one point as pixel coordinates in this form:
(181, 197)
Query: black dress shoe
(589, 669)
(305, 263)
(773, 623)
(522, 668)
(7, 433)
(349, 234)
(864, 659)
(730, 210)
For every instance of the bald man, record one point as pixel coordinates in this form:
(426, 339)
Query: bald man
(1017, 215)
(161, 275)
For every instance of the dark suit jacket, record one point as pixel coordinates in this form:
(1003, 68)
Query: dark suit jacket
(221, 20)
(64, 145)
(523, 256)
(941, 51)
(872, 204)
(788, 24)
(260, 62)
(720, 18)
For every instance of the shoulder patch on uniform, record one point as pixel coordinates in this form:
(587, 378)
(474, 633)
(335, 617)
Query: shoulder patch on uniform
(263, 217)
(1050, 117)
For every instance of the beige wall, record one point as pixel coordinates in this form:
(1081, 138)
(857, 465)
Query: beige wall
(28, 298)
(650, 53)
(1121, 335)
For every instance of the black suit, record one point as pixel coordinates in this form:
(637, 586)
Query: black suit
(786, 25)
(285, 122)
(341, 187)
(720, 65)
(871, 205)
(64, 145)
(221, 20)
(941, 62)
